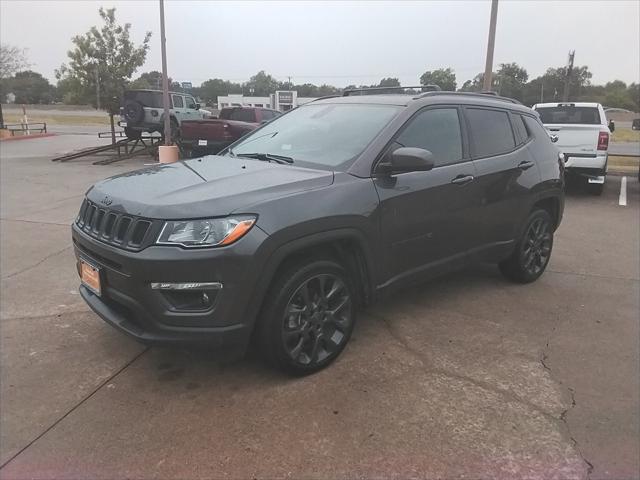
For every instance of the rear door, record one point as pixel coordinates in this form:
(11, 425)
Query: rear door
(427, 217)
(506, 173)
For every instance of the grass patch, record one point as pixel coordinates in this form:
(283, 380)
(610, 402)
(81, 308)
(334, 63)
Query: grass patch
(58, 119)
(623, 161)
(625, 135)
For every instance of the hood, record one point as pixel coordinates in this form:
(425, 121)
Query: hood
(205, 187)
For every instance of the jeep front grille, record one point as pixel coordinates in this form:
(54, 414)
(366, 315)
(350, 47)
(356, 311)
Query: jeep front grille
(115, 228)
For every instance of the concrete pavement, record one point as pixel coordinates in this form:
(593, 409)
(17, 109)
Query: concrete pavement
(466, 376)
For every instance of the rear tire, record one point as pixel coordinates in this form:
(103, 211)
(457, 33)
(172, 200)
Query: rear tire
(308, 316)
(533, 251)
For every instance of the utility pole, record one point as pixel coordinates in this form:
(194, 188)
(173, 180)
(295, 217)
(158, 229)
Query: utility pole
(567, 79)
(488, 68)
(541, 92)
(97, 89)
(165, 79)
(289, 82)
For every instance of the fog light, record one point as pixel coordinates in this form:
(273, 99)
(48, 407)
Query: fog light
(187, 286)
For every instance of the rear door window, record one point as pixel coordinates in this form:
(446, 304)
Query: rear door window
(491, 132)
(520, 129)
(569, 114)
(436, 130)
(243, 115)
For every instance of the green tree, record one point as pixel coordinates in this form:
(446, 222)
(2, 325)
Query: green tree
(445, 78)
(476, 84)
(104, 60)
(148, 80)
(12, 60)
(211, 89)
(31, 87)
(511, 80)
(389, 82)
(261, 85)
(324, 90)
(69, 90)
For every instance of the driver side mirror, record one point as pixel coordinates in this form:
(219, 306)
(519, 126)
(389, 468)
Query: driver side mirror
(406, 159)
(197, 106)
(612, 126)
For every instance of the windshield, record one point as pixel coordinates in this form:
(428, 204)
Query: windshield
(324, 135)
(569, 114)
(146, 98)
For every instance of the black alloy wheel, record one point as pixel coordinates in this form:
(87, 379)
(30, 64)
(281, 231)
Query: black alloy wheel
(307, 317)
(317, 319)
(533, 251)
(537, 247)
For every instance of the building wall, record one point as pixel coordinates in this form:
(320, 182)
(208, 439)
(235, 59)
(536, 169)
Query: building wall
(239, 100)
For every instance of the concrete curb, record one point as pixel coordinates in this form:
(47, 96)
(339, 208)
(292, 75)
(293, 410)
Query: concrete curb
(27, 137)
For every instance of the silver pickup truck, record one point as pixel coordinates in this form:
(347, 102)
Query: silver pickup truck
(583, 138)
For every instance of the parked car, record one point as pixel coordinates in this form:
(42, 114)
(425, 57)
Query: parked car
(635, 124)
(583, 138)
(142, 111)
(286, 233)
(213, 134)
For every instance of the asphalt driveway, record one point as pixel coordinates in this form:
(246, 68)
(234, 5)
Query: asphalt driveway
(468, 376)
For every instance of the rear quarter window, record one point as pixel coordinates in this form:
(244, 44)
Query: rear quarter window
(569, 114)
(242, 115)
(491, 132)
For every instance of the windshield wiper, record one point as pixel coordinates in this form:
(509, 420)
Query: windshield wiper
(268, 157)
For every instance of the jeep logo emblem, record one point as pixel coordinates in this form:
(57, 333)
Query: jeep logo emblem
(106, 200)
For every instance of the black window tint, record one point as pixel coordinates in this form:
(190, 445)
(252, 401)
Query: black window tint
(177, 101)
(490, 131)
(243, 115)
(191, 103)
(436, 130)
(535, 127)
(519, 127)
(266, 115)
(146, 98)
(569, 114)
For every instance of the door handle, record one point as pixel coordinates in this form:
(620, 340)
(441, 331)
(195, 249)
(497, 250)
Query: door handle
(463, 179)
(525, 165)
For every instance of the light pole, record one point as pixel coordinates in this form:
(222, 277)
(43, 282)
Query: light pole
(488, 68)
(165, 78)
(169, 152)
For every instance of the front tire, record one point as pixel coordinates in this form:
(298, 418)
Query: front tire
(308, 317)
(533, 251)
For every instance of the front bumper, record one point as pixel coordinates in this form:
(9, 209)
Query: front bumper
(128, 302)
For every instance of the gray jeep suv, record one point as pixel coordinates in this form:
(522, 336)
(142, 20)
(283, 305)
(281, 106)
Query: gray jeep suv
(281, 237)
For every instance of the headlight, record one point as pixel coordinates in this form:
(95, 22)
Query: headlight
(205, 233)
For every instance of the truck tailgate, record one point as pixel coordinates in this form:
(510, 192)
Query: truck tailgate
(576, 138)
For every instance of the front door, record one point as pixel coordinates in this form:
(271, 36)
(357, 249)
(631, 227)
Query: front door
(178, 107)
(427, 218)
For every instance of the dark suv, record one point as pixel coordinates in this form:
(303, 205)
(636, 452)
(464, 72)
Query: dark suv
(281, 237)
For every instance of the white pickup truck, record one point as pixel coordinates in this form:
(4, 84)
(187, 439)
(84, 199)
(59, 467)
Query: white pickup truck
(583, 138)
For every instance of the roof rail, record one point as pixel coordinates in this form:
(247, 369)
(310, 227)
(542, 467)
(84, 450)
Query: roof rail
(493, 95)
(322, 98)
(389, 90)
